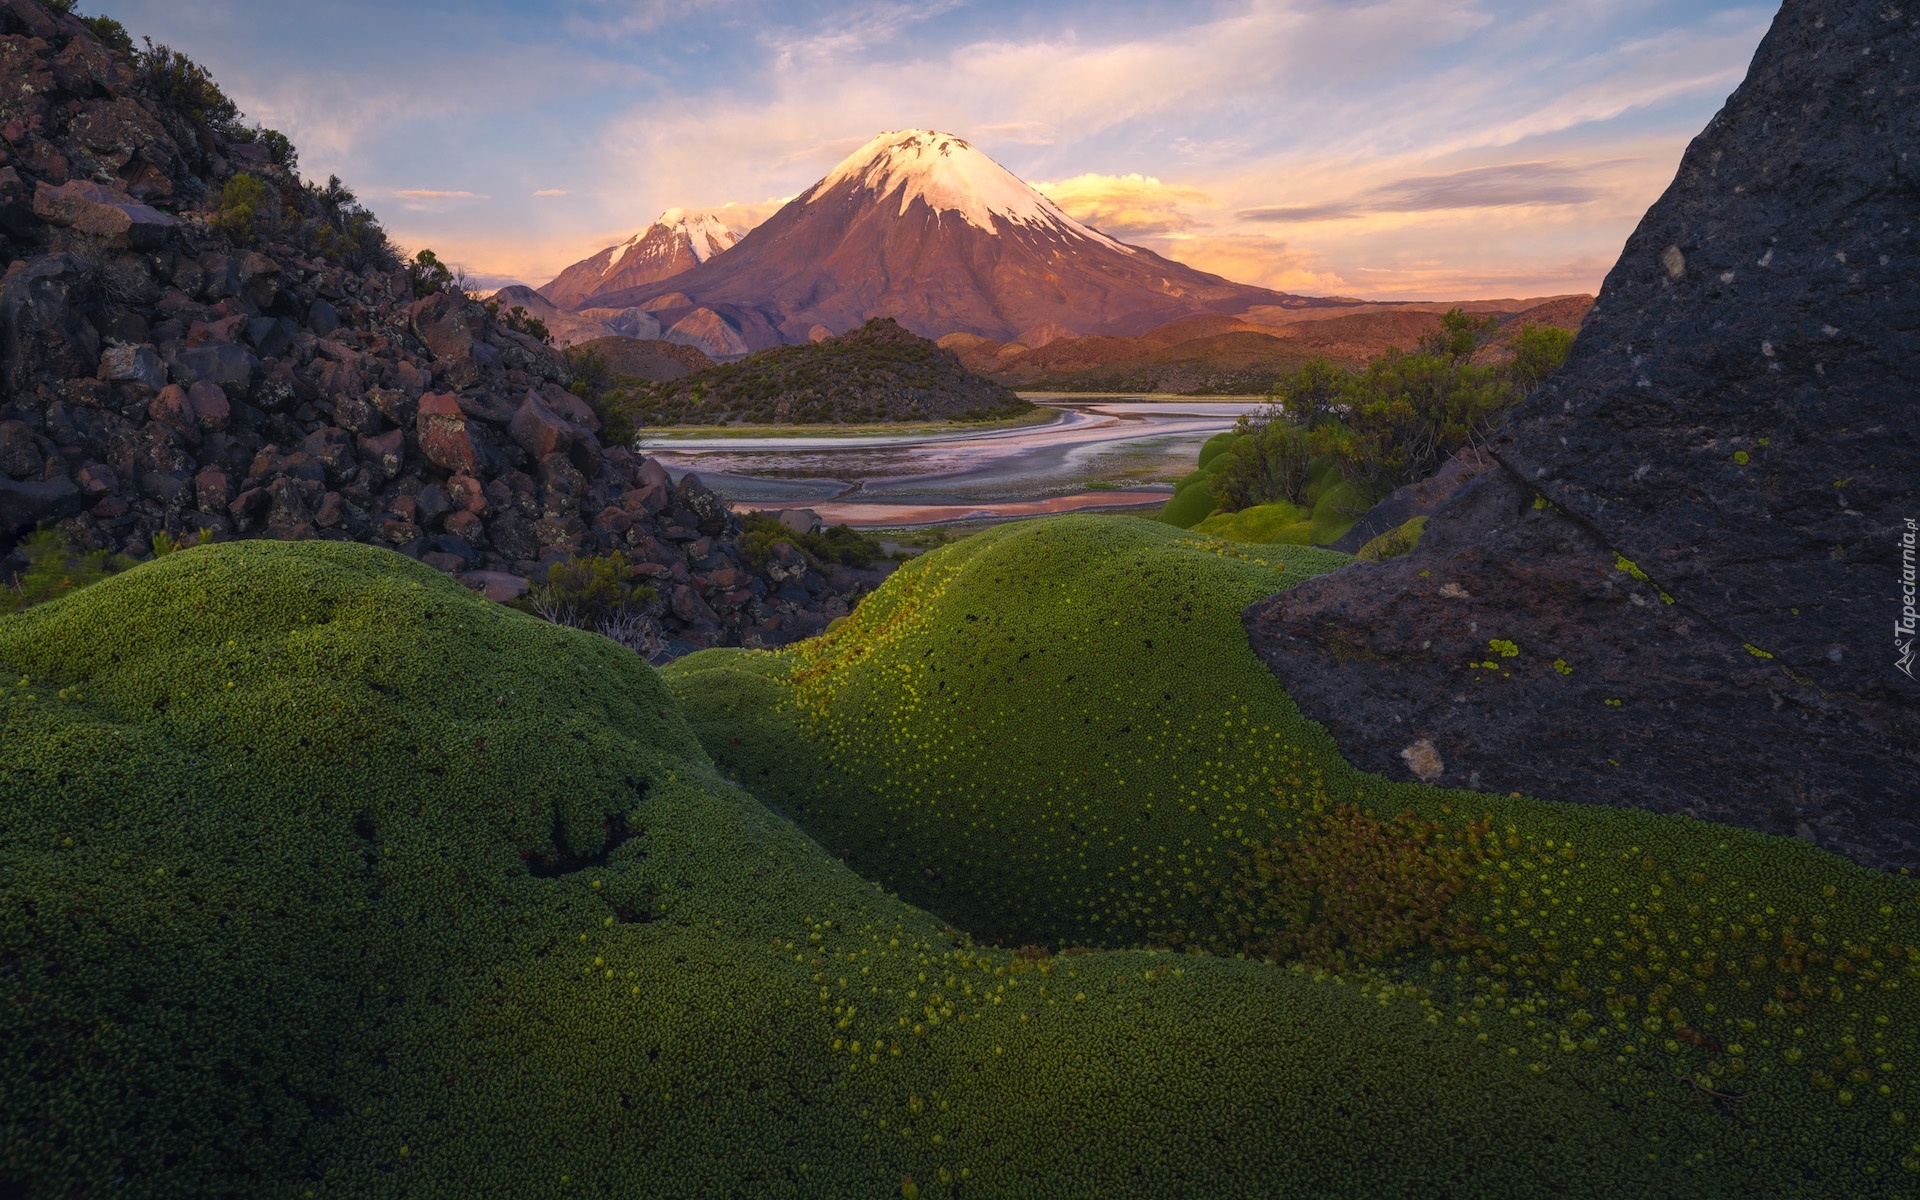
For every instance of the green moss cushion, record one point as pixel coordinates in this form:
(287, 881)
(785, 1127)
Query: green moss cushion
(437, 900)
(1055, 733)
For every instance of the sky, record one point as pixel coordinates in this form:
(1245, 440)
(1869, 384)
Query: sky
(1399, 149)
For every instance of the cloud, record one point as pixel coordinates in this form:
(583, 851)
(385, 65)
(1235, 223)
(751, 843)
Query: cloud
(430, 194)
(1508, 185)
(1127, 205)
(553, 192)
(744, 217)
(1015, 133)
(1256, 259)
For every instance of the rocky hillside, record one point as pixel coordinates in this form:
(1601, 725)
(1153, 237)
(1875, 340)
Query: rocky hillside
(878, 372)
(195, 342)
(647, 358)
(1677, 588)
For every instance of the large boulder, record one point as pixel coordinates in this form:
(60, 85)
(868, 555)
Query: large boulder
(445, 438)
(43, 335)
(1676, 590)
(114, 217)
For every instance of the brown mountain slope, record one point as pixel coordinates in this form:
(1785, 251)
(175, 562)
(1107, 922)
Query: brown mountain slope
(1217, 354)
(922, 227)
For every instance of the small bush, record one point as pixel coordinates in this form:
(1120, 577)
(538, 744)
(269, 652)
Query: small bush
(279, 148)
(1193, 501)
(53, 569)
(1215, 446)
(1538, 351)
(516, 319)
(839, 545)
(583, 592)
(429, 275)
(1271, 463)
(111, 33)
(185, 86)
(337, 228)
(247, 209)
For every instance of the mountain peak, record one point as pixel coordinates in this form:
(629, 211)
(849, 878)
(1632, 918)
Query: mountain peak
(678, 240)
(950, 174)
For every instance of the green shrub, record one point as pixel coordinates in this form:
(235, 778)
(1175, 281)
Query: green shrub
(518, 321)
(835, 545)
(429, 275)
(111, 33)
(1270, 462)
(336, 227)
(1309, 396)
(279, 148)
(248, 208)
(1538, 351)
(587, 591)
(185, 86)
(54, 569)
(1406, 414)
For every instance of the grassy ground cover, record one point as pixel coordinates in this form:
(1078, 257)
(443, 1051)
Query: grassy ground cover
(1055, 733)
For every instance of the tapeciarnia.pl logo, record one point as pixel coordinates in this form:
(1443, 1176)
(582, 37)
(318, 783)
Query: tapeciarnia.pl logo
(1903, 628)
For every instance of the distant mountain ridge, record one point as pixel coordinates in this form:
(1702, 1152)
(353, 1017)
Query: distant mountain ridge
(923, 227)
(678, 240)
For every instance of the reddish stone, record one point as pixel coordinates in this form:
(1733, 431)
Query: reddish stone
(213, 490)
(467, 494)
(645, 501)
(443, 434)
(384, 454)
(210, 407)
(172, 407)
(613, 520)
(331, 512)
(538, 429)
(463, 524)
(248, 502)
(110, 507)
(97, 479)
(452, 564)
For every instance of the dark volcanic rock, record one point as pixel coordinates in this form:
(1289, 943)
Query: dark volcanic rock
(1419, 499)
(1694, 542)
(162, 373)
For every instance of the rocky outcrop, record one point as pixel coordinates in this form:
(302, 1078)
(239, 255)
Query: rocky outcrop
(1680, 588)
(167, 369)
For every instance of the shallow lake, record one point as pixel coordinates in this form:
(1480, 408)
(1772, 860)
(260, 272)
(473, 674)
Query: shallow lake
(1110, 453)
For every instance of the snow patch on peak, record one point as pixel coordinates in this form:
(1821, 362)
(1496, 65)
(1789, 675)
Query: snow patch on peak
(621, 251)
(950, 175)
(706, 234)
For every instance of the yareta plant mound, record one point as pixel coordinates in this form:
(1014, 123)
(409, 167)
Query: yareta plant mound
(1058, 733)
(321, 877)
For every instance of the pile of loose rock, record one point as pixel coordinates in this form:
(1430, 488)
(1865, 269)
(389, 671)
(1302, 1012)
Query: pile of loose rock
(162, 375)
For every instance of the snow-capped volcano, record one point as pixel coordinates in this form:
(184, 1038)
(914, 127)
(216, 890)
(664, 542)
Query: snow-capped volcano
(923, 227)
(948, 175)
(679, 240)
